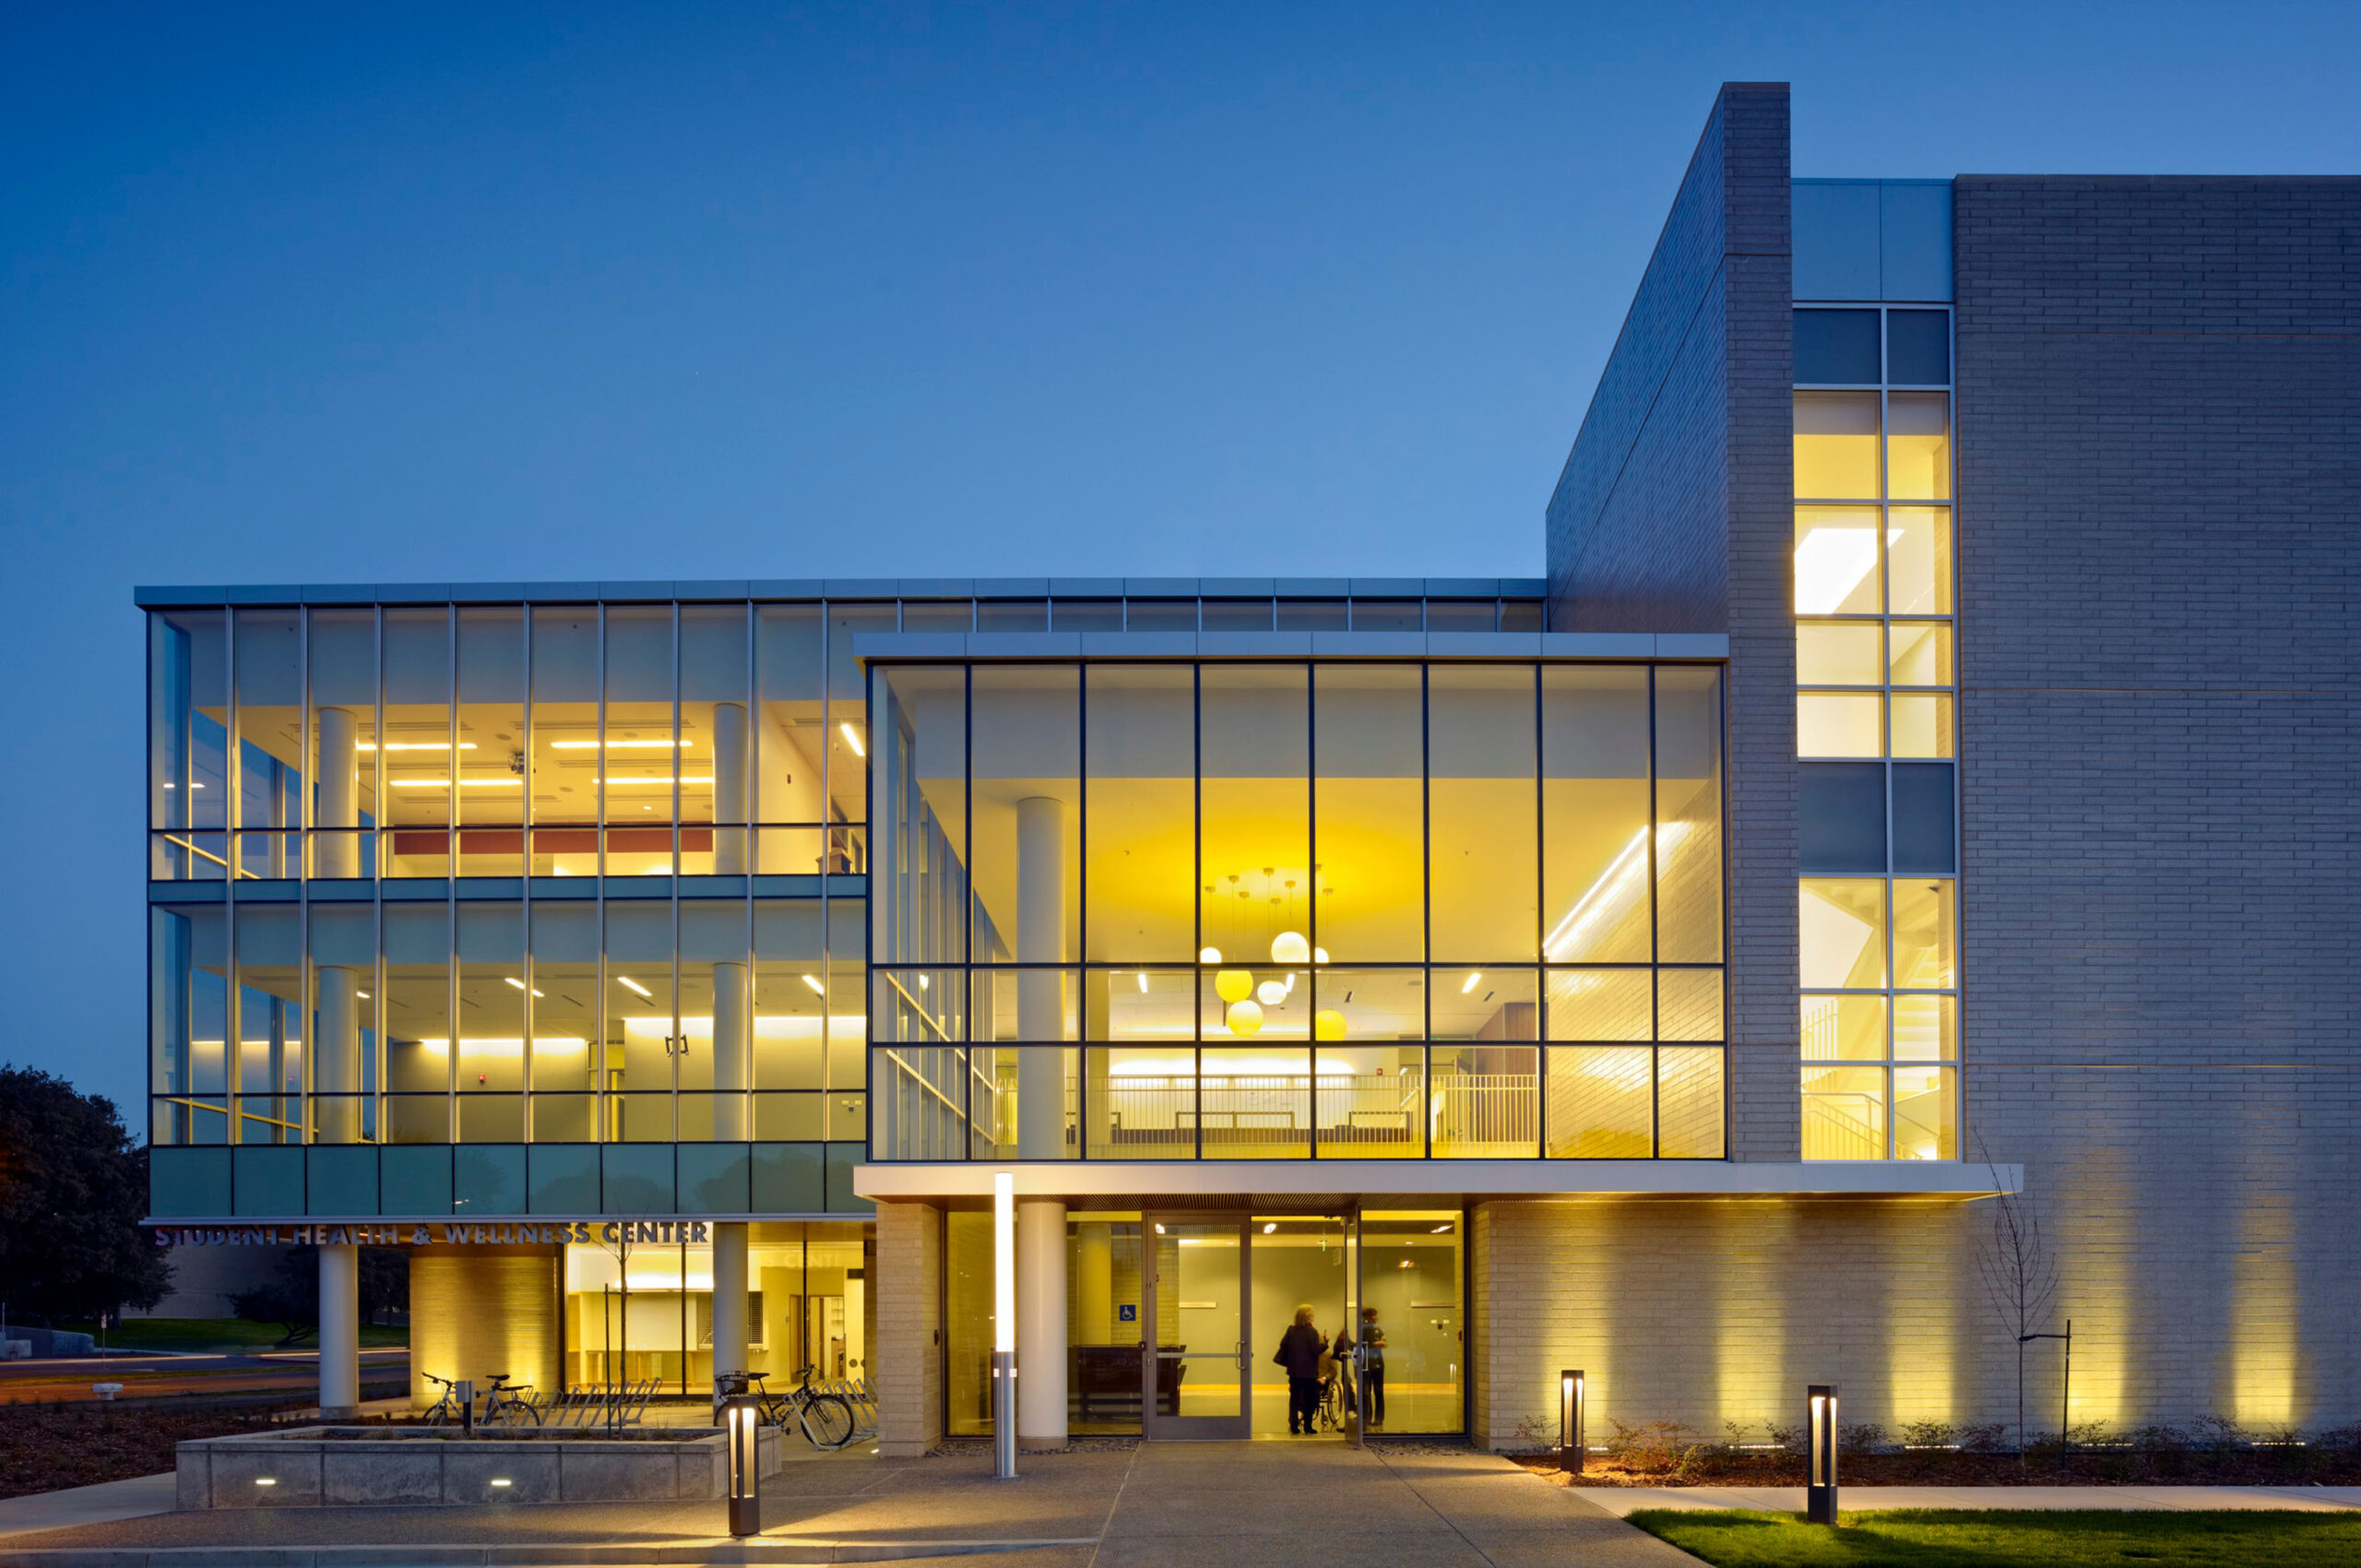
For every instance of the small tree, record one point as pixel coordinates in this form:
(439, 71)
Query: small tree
(2019, 1274)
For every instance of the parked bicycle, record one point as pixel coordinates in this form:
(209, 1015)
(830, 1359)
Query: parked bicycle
(504, 1403)
(825, 1420)
(446, 1411)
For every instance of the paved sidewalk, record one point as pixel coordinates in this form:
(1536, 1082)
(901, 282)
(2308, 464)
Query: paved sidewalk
(1161, 1506)
(97, 1504)
(1624, 1502)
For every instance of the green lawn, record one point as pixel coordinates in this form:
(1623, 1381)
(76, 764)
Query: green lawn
(217, 1334)
(1963, 1538)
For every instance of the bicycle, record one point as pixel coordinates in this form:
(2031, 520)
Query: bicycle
(446, 1410)
(825, 1420)
(507, 1404)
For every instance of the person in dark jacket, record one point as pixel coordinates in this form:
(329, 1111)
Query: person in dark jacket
(1300, 1351)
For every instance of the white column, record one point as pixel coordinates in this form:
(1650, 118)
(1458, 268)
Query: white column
(1095, 1286)
(339, 1331)
(337, 788)
(728, 1297)
(1041, 1322)
(730, 857)
(733, 1039)
(1040, 994)
(336, 1057)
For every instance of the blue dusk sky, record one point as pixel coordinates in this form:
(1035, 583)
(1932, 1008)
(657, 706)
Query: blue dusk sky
(405, 292)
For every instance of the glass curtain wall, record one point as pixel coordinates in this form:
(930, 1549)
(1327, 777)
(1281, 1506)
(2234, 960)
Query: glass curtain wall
(1876, 731)
(1291, 911)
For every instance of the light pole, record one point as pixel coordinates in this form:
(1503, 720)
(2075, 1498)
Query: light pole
(1820, 1474)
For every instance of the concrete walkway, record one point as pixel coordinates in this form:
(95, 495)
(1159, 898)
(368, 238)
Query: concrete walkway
(1161, 1506)
(1624, 1502)
(97, 1504)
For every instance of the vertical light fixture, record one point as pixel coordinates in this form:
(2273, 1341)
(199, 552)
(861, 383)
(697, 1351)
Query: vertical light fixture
(1571, 1452)
(1004, 1324)
(743, 1419)
(1820, 1473)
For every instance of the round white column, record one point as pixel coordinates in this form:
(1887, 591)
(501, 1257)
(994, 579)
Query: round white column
(729, 1336)
(339, 1331)
(338, 793)
(1040, 993)
(733, 1041)
(1041, 1322)
(729, 856)
(336, 1057)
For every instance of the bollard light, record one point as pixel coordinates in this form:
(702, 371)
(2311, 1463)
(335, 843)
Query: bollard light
(1571, 1452)
(1004, 1324)
(742, 1416)
(1820, 1472)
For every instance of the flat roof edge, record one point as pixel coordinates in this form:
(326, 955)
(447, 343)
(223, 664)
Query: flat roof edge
(1461, 1177)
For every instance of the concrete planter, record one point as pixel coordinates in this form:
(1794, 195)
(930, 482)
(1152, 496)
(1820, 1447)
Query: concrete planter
(372, 1466)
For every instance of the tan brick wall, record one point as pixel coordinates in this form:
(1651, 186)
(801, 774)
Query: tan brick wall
(907, 1353)
(473, 1315)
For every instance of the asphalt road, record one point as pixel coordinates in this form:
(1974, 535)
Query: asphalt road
(150, 1377)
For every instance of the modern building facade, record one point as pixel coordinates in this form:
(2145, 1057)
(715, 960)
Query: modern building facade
(1916, 787)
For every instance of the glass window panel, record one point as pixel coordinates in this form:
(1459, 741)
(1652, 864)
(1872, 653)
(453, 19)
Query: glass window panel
(790, 737)
(1080, 616)
(1024, 1102)
(1235, 1003)
(1386, 615)
(266, 1072)
(716, 741)
(1839, 816)
(1689, 814)
(1922, 653)
(1594, 813)
(1161, 615)
(1844, 1028)
(1368, 810)
(1313, 615)
(564, 1013)
(800, 1118)
(417, 1012)
(1918, 347)
(564, 762)
(639, 750)
(1023, 1005)
(1141, 787)
(1025, 837)
(1840, 653)
(1484, 1102)
(956, 615)
(1371, 1099)
(1923, 836)
(490, 805)
(1839, 724)
(1841, 936)
(270, 738)
(1369, 1006)
(1482, 812)
(344, 778)
(1836, 445)
(189, 1021)
(1689, 1102)
(1461, 615)
(848, 980)
(1600, 1005)
(1844, 1114)
(1521, 615)
(1925, 1113)
(1143, 1102)
(1921, 725)
(1600, 1103)
(1836, 346)
(848, 725)
(1255, 797)
(1925, 935)
(344, 1022)
(790, 995)
(1235, 615)
(1013, 615)
(1256, 1102)
(715, 1063)
(491, 1022)
(1148, 1006)
(415, 747)
(922, 887)
(1918, 446)
(1926, 1028)
(1918, 554)
(188, 689)
(918, 1100)
(1836, 560)
(1689, 1005)
(1471, 1004)
(642, 1035)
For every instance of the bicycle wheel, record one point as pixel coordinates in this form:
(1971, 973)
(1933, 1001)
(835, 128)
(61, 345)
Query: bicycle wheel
(440, 1416)
(827, 1421)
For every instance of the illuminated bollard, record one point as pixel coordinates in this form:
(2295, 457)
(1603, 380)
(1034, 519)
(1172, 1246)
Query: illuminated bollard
(1820, 1472)
(1571, 1452)
(742, 1416)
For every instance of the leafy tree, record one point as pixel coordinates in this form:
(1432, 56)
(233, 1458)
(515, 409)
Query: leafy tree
(292, 1299)
(73, 1189)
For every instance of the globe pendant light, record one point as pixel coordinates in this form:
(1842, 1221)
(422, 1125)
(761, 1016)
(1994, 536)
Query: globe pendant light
(1245, 1020)
(1234, 985)
(1328, 1024)
(1270, 993)
(1289, 948)
(1209, 955)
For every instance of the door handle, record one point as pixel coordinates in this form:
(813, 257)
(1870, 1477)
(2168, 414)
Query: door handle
(1241, 1355)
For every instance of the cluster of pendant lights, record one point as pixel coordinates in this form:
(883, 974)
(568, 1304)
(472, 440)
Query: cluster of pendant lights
(1243, 1000)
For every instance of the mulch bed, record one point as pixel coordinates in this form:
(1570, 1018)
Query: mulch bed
(46, 1447)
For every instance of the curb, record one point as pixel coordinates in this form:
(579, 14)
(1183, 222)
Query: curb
(719, 1550)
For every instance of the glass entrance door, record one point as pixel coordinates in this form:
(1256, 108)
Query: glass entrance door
(1199, 1284)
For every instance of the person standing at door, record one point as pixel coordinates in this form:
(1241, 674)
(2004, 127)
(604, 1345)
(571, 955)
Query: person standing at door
(1373, 1366)
(1300, 1351)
